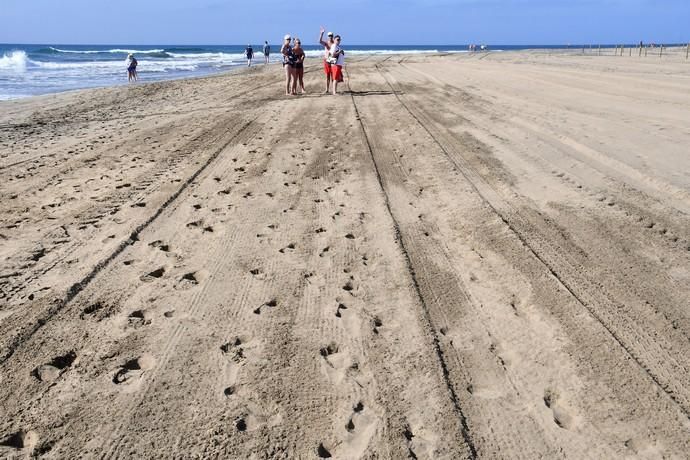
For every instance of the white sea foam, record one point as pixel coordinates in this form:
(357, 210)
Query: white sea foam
(208, 56)
(114, 51)
(126, 51)
(319, 53)
(53, 69)
(14, 62)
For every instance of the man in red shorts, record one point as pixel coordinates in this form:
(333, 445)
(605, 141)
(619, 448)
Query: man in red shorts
(326, 65)
(338, 55)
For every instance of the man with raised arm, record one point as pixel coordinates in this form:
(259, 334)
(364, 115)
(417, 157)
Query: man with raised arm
(326, 64)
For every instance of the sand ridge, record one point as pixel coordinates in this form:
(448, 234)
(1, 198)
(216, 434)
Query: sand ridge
(462, 256)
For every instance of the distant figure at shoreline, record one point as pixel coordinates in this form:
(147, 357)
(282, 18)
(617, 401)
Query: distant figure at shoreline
(267, 51)
(132, 68)
(249, 52)
(326, 65)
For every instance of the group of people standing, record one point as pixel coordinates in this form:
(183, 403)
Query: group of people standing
(293, 62)
(334, 60)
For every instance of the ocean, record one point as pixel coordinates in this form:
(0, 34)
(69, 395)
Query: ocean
(28, 70)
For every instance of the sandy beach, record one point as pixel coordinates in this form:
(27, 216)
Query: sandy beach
(461, 256)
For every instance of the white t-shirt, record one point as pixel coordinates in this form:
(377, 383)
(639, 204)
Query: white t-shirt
(341, 57)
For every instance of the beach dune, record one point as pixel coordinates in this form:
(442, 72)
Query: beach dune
(462, 256)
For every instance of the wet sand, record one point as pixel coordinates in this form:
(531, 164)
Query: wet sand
(463, 256)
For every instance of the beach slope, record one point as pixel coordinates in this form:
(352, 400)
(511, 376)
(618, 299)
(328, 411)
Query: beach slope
(462, 256)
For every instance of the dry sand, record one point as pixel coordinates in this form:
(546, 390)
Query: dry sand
(464, 256)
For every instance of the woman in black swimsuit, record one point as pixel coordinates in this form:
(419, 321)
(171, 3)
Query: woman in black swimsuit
(288, 63)
(299, 66)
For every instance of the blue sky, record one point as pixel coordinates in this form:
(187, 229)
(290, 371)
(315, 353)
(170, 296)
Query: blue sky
(359, 21)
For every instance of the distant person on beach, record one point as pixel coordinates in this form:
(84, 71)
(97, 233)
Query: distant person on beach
(249, 52)
(288, 63)
(132, 64)
(326, 64)
(299, 66)
(267, 51)
(336, 57)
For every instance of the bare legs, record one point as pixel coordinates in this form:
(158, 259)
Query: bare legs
(328, 77)
(300, 77)
(336, 80)
(290, 79)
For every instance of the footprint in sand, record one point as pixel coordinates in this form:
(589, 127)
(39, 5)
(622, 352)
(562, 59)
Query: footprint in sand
(21, 440)
(341, 306)
(290, 247)
(133, 368)
(139, 318)
(377, 323)
(360, 428)
(561, 414)
(158, 273)
(234, 350)
(271, 303)
(322, 451)
(51, 371)
(328, 350)
(188, 281)
(160, 245)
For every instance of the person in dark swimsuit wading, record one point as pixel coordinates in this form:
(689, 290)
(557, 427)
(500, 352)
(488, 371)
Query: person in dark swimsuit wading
(132, 68)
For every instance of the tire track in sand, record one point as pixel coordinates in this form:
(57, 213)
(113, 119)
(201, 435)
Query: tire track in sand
(428, 325)
(653, 355)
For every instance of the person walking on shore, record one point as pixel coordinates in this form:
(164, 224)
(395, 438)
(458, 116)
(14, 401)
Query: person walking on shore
(267, 51)
(132, 68)
(337, 61)
(299, 66)
(249, 52)
(326, 64)
(288, 63)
